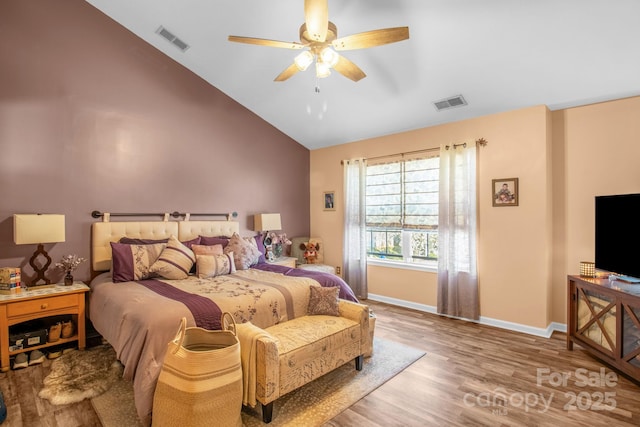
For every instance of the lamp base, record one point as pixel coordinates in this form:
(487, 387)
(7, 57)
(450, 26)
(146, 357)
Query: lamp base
(40, 280)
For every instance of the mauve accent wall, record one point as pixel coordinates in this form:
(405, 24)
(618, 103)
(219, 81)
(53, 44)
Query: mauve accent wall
(92, 117)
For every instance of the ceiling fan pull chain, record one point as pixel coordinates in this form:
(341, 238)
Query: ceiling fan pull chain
(317, 85)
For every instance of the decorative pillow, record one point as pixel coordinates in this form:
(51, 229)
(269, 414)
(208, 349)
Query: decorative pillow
(245, 251)
(207, 249)
(210, 241)
(132, 262)
(324, 301)
(175, 261)
(194, 241)
(214, 265)
(259, 239)
(132, 241)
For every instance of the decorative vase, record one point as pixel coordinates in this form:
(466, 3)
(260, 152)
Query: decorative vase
(68, 279)
(277, 250)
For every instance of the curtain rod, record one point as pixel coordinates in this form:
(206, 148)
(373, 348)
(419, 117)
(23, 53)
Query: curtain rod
(480, 141)
(176, 214)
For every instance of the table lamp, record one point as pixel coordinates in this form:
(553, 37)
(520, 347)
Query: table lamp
(264, 223)
(267, 222)
(32, 229)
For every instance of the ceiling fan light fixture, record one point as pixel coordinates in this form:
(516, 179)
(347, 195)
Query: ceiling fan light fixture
(329, 56)
(322, 70)
(303, 60)
(320, 43)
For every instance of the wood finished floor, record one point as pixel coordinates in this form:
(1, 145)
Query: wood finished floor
(469, 366)
(465, 363)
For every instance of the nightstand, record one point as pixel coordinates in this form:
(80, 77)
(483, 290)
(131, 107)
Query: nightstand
(38, 304)
(285, 261)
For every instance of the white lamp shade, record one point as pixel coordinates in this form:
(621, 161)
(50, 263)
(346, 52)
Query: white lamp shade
(329, 56)
(267, 222)
(29, 229)
(303, 60)
(322, 70)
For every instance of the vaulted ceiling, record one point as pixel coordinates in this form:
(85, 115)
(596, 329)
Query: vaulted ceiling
(498, 54)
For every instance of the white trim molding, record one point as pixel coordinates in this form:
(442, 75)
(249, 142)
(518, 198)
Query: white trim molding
(502, 324)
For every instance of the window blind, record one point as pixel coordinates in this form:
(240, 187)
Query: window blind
(403, 194)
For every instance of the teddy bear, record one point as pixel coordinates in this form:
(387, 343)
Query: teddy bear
(310, 251)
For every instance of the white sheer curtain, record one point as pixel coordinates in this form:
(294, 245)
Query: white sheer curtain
(354, 260)
(457, 225)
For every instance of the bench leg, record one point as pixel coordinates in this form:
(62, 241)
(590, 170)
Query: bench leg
(267, 412)
(359, 361)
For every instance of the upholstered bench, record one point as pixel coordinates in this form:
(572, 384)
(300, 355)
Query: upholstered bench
(294, 353)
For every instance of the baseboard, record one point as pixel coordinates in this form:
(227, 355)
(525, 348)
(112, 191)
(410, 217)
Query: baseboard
(526, 329)
(403, 303)
(502, 324)
(558, 327)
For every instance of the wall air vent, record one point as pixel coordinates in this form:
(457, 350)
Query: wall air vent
(164, 33)
(452, 102)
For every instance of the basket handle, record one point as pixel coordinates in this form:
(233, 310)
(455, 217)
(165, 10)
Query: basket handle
(180, 335)
(228, 323)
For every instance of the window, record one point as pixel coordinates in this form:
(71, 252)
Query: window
(402, 210)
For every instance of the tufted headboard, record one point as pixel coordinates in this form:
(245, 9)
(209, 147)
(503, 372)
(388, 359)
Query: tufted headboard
(103, 233)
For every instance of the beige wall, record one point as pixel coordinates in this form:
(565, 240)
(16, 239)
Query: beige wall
(514, 242)
(563, 160)
(601, 145)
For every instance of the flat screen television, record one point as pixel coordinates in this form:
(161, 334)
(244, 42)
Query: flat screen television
(618, 234)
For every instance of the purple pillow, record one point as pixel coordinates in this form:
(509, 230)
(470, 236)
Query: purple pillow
(260, 242)
(132, 262)
(192, 242)
(132, 241)
(210, 241)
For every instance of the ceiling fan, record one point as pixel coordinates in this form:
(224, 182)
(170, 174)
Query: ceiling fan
(319, 35)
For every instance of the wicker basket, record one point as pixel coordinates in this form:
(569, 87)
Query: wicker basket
(200, 383)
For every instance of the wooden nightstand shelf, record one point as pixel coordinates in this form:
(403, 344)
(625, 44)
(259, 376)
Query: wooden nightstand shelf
(285, 261)
(38, 304)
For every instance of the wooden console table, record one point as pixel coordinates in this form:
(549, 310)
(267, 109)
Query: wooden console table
(604, 318)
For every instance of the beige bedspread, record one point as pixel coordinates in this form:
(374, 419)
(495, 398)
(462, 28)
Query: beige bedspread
(139, 323)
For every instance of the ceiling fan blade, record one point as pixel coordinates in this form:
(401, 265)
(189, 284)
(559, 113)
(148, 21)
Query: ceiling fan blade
(266, 42)
(316, 17)
(349, 69)
(290, 71)
(371, 38)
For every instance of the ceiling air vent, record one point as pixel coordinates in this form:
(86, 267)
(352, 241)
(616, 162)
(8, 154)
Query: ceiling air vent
(454, 101)
(172, 38)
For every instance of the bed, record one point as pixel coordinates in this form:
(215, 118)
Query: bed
(138, 317)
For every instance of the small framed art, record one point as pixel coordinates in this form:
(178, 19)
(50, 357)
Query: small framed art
(329, 200)
(505, 192)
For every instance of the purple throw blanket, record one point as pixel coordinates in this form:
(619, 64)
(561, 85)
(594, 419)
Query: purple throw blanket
(325, 279)
(206, 313)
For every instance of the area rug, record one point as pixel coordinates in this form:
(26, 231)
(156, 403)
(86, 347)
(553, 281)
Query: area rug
(311, 405)
(79, 375)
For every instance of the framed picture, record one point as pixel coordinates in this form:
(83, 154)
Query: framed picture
(329, 200)
(504, 192)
